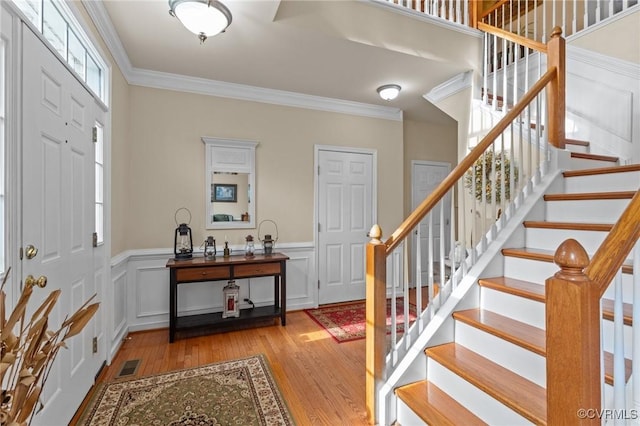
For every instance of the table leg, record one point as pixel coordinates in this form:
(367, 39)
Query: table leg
(283, 291)
(173, 290)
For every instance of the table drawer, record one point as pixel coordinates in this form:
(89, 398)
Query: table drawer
(255, 269)
(203, 274)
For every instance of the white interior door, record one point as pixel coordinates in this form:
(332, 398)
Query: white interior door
(345, 215)
(58, 208)
(425, 177)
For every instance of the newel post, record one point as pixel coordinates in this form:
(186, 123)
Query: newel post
(376, 310)
(556, 95)
(573, 339)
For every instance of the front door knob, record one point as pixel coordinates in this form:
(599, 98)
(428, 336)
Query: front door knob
(30, 251)
(30, 281)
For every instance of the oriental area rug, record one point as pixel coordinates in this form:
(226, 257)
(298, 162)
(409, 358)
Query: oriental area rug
(238, 392)
(345, 322)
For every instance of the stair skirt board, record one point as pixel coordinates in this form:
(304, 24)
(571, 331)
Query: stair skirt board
(475, 400)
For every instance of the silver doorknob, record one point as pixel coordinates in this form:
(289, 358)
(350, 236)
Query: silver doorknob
(30, 281)
(30, 251)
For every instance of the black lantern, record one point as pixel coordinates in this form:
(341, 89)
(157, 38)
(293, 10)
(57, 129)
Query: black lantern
(268, 242)
(183, 242)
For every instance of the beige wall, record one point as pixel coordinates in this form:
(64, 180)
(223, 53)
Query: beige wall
(618, 39)
(427, 142)
(165, 158)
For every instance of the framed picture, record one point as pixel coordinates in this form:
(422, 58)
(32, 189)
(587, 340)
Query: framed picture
(224, 192)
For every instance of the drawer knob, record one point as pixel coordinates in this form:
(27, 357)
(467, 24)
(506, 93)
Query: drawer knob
(204, 273)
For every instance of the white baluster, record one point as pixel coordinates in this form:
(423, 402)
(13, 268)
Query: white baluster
(635, 362)
(405, 296)
(618, 350)
(419, 278)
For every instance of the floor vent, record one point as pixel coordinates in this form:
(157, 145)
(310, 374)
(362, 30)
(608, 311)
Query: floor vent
(128, 368)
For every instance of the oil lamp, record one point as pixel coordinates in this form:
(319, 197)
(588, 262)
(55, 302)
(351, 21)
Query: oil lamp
(249, 248)
(231, 292)
(183, 242)
(268, 242)
(210, 247)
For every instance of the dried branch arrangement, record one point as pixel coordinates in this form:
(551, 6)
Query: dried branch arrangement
(29, 349)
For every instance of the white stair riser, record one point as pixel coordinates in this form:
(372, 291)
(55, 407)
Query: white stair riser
(472, 398)
(529, 270)
(516, 307)
(577, 148)
(521, 361)
(624, 181)
(405, 416)
(607, 338)
(584, 163)
(585, 211)
(550, 239)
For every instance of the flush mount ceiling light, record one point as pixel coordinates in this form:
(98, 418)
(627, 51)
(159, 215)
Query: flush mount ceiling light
(389, 92)
(204, 18)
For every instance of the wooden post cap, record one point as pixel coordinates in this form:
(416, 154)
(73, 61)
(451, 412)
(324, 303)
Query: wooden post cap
(572, 259)
(556, 32)
(375, 233)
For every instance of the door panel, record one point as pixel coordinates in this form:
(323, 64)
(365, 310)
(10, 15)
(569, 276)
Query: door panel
(426, 176)
(345, 214)
(58, 212)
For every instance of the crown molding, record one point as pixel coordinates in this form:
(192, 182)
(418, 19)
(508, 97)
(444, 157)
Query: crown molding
(450, 87)
(181, 83)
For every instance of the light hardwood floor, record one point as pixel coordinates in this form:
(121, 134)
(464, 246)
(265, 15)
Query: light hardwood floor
(322, 381)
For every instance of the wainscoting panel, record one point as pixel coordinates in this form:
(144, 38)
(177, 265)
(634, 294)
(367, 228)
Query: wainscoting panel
(141, 290)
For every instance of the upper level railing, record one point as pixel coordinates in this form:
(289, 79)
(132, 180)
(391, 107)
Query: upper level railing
(490, 182)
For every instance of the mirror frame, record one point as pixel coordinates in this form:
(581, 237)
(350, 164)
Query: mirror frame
(230, 155)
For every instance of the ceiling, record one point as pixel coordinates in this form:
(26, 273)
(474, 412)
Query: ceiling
(342, 50)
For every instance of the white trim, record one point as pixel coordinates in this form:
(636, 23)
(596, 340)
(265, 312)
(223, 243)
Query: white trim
(609, 63)
(421, 16)
(168, 81)
(450, 87)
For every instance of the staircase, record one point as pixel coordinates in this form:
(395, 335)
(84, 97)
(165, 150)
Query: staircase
(494, 369)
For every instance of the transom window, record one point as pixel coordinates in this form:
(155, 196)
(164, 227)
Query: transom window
(60, 28)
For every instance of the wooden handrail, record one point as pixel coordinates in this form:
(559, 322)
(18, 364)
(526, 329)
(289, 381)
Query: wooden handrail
(496, 6)
(458, 172)
(512, 37)
(613, 251)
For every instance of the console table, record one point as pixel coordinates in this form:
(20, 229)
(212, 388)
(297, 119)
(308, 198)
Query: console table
(225, 269)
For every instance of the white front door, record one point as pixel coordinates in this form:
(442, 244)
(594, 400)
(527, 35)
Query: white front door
(58, 213)
(346, 213)
(425, 177)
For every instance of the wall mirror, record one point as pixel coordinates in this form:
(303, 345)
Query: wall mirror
(230, 190)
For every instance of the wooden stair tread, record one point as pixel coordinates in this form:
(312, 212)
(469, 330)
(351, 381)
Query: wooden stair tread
(602, 170)
(521, 395)
(576, 226)
(627, 311)
(529, 290)
(568, 141)
(621, 195)
(546, 256)
(588, 156)
(608, 368)
(517, 332)
(434, 406)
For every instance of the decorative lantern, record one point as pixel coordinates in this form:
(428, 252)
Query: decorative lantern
(249, 248)
(231, 294)
(268, 242)
(210, 247)
(183, 242)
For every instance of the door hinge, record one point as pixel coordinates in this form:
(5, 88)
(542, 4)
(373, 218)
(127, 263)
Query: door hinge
(95, 345)
(318, 170)
(21, 253)
(318, 226)
(94, 239)
(318, 284)
(94, 134)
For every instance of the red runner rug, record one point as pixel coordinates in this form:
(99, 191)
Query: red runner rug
(346, 322)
